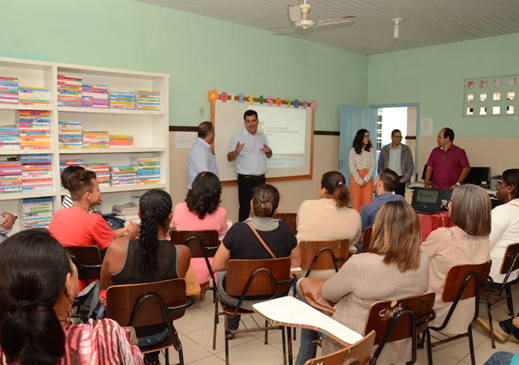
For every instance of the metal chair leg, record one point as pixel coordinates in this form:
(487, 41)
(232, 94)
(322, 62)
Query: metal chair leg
(471, 345)
(510, 301)
(491, 325)
(429, 347)
(226, 324)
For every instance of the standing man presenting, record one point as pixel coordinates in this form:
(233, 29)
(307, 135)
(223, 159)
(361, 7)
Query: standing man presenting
(201, 158)
(449, 163)
(250, 148)
(397, 157)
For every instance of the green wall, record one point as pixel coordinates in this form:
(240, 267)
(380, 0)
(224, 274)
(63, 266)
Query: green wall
(434, 77)
(200, 54)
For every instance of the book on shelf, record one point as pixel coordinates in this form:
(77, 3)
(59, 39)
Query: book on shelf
(35, 212)
(121, 141)
(10, 176)
(95, 96)
(128, 212)
(123, 175)
(8, 90)
(148, 169)
(96, 139)
(9, 137)
(34, 126)
(122, 100)
(37, 96)
(102, 171)
(70, 134)
(147, 100)
(36, 172)
(70, 91)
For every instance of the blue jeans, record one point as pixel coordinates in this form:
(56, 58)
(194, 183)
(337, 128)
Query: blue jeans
(307, 337)
(500, 358)
(151, 340)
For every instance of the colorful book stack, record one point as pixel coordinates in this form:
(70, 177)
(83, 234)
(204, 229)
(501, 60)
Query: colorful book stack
(147, 100)
(63, 164)
(102, 171)
(95, 96)
(123, 175)
(96, 139)
(70, 134)
(9, 137)
(35, 212)
(10, 176)
(121, 141)
(8, 90)
(148, 169)
(69, 91)
(34, 96)
(34, 128)
(122, 100)
(36, 173)
(128, 212)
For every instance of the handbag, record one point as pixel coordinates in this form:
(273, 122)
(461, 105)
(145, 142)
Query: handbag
(311, 291)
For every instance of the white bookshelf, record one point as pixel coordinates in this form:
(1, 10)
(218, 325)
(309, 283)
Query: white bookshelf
(149, 128)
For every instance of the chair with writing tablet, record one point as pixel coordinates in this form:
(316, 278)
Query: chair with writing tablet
(462, 282)
(395, 320)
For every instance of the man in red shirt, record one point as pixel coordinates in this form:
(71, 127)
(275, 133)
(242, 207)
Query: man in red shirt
(75, 226)
(449, 162)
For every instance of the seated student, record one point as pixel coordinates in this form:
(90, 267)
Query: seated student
(241, 243)
(75, 226)
(465, 243)
(202, 211)
(38, 284)
(6, 224)
(329, 218)
(147, 259)
(384, 187)
(395, 268)
(67, 199)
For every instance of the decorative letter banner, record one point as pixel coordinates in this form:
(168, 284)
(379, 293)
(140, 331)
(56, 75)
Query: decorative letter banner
(249, 99)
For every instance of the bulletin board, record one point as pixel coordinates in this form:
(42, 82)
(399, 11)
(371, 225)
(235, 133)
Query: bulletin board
(491, 96)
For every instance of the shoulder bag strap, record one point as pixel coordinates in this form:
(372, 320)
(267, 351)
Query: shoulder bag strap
(514, 205)
(261, 240)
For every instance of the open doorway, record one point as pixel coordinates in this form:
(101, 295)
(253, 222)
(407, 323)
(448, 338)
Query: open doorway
(403, 118)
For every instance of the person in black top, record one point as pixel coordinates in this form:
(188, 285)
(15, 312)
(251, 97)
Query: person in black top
(147, 259)
(240, 242)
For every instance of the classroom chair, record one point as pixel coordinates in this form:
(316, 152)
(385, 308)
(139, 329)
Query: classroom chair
(324, 255)
(290, 218)
(87, 260)
(366, 241)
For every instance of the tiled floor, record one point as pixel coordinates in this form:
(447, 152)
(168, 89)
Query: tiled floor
(196, 331)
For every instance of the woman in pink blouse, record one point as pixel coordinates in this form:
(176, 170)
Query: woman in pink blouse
(201, 211)
(38, 284)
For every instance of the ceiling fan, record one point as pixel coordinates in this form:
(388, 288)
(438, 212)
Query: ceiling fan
(299, 15)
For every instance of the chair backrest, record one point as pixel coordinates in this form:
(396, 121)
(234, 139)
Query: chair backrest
(510, 260)
(239, 273)
(87, 260)
(456, 277)
(310, 249)
(381, 314)
(366, 241)
(361, 351)
(290, 218)
(121, 301)
(197, 241)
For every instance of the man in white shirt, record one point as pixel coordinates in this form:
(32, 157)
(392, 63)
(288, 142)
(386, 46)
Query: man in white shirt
(201, 158)
(250, 148)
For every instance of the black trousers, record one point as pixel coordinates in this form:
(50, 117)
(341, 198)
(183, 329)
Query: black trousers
(401, 188)
(245, 187)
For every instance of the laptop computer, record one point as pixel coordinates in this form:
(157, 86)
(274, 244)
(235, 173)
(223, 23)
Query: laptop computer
(427, 201)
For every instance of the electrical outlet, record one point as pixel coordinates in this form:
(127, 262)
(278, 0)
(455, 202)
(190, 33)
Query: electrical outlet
(201, 111)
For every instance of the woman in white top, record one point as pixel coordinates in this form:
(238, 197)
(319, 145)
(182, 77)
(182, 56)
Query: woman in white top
(329, 218)
(505, 223)
(362, 163)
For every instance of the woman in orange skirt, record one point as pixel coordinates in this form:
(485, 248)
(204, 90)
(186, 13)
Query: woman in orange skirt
(362, 167)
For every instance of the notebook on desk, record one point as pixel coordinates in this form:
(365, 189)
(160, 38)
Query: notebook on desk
(427, 201)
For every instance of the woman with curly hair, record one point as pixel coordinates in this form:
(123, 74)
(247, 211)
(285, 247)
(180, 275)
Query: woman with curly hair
(149, 258)
(38, 284)
(362, 163)
(201, 211)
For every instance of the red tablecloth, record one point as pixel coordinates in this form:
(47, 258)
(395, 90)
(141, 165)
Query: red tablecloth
(431, 222)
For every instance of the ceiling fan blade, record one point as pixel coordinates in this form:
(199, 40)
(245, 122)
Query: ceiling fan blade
(331, 21)
(294, 13)
(282, 28)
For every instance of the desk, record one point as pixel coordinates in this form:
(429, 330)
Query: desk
(192, 286)
(431, 222)
(291, 312)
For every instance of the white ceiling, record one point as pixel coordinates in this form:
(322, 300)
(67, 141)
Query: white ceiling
(425, 22)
